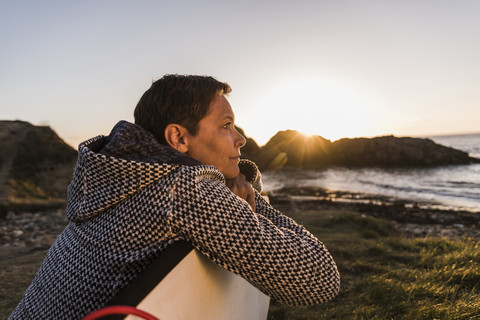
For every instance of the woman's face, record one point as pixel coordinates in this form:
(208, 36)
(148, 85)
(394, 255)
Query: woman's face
(217, 142)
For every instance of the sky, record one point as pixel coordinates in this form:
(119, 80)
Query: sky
(345, 68)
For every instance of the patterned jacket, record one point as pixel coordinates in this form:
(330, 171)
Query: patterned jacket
(131, 196)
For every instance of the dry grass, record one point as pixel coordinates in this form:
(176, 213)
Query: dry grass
(17, 269)
(388, 276)
(384, 275)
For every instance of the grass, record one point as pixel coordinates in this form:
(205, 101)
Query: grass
(16, 273)
(24, 189)
(387, 276)
(384, 275)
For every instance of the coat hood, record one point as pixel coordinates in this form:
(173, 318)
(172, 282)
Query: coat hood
(111, 168)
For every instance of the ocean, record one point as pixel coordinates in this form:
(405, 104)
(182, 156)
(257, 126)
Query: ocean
(447, 187)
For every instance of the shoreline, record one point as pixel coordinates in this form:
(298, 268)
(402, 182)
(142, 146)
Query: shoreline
(32, 231)
(454, 188)
(411, 217)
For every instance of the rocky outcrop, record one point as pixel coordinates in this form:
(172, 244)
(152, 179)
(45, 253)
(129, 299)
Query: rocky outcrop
(36, 166)
(295, 149)
(393, 151)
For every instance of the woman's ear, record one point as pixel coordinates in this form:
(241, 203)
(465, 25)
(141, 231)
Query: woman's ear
(175, 137)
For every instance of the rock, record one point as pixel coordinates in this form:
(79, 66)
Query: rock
(36, 167)
(292, 148)
(265, 162)
(277, 162)
(17, 233)
(11, 215)
(37, 230)
(395, 152)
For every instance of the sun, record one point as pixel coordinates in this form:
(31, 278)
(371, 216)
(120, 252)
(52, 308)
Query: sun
(313, 107)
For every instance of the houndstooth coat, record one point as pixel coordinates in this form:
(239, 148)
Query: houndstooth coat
(131, 196)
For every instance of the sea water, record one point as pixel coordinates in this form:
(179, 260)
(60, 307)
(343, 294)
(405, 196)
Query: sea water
(448, 187)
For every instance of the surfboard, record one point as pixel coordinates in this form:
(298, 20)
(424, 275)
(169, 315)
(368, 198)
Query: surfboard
(197, 288)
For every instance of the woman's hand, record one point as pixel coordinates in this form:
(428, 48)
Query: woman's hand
(242, 188)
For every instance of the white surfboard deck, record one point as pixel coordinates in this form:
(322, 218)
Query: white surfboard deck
(197, 288)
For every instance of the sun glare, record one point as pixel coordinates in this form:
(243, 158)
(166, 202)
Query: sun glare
(314, 107)
(307, 136)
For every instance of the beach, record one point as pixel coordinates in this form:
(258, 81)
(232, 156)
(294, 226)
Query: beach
(411, 218)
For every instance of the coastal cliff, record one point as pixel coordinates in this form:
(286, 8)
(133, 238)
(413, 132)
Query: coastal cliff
(36, 166)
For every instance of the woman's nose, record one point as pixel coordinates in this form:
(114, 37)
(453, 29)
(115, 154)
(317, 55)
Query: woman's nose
(240, 142)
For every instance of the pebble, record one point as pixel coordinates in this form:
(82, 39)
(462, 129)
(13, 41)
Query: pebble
(35, 230)
(454, 231)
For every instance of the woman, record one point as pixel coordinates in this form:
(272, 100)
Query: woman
(174, 174)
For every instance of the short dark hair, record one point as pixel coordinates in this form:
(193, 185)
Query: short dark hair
(180, 99)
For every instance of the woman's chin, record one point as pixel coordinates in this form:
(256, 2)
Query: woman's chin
(231, 173)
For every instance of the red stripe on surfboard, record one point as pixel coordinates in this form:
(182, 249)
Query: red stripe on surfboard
(119, 310)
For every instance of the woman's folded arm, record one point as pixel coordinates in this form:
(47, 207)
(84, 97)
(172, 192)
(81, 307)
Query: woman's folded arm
(268, 249)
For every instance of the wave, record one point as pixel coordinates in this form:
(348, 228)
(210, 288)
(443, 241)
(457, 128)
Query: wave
(453, 186)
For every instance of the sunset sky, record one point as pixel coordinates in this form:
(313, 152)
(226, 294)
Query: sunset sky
(332, 68)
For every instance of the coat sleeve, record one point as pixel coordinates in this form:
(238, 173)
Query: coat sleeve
(268, 249)
(250, 170)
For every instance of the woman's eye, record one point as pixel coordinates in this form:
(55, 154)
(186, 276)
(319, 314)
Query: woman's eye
(228, 125)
